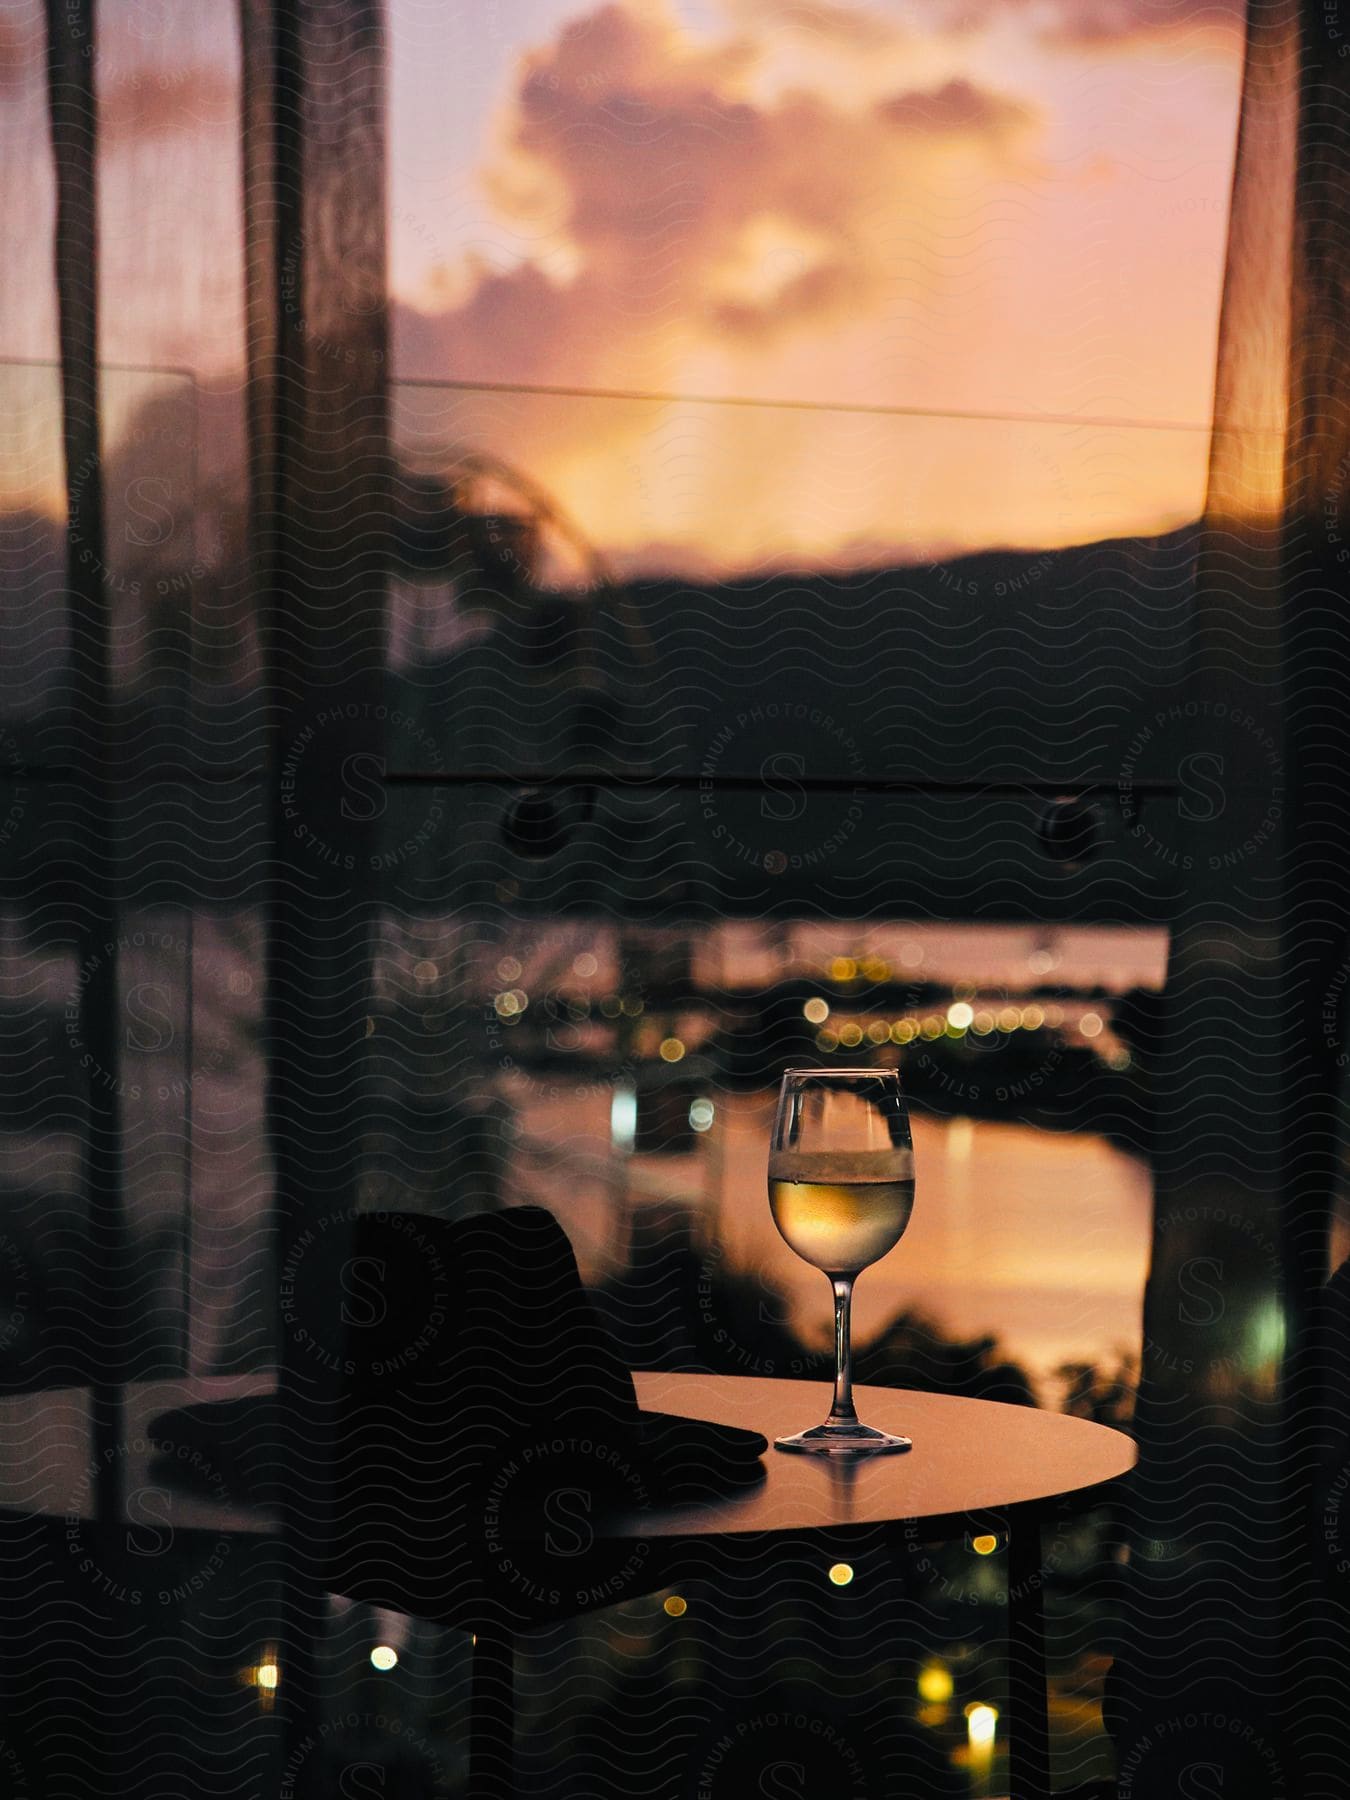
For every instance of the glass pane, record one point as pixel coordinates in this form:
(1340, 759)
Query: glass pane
(768, 431)
(695, 610)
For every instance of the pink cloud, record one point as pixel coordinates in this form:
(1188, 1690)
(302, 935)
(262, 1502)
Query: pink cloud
(958, 107)
(1100, 25)
(659, 163)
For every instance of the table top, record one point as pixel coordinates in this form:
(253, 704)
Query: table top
(969, 1456)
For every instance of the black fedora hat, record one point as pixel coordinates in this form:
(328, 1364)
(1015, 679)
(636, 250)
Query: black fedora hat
(486, 1433)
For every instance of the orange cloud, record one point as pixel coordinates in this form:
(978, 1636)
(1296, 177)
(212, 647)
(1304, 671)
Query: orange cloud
(827, 21)
(690, 209)
(958, 107)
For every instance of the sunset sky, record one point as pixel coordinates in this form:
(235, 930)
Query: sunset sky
(982, 206)
(1011, 207)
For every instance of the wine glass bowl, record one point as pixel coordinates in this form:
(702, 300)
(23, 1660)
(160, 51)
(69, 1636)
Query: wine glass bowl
(841, 1189)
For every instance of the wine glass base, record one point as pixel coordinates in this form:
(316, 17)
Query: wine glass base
(843, 1439)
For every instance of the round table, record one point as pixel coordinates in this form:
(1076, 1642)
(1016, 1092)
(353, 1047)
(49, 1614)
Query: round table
(1006, 1465)
(969, 1456)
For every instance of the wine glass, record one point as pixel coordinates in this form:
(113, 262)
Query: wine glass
(841, 1189)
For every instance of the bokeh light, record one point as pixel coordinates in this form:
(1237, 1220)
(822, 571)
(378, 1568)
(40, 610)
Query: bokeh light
(981, 1724)
(935, 1683)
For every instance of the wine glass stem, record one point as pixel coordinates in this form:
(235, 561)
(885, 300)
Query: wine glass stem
(842, 1413)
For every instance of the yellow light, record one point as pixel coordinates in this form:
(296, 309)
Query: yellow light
(1009, 1019)
(961, 1015)
(985, 1544)
(1090, 1025)
(509, 969)
(851, 1035)
(878, 1032)
(817, 1011)
(425, 971)
(267, 1675)
(983, 1023)
(671, 1049)
(584, 965)
(384, 1657)
(676, 1607)
(1054, 1015)
(841, 1574)
(827, 1039)
(935, 1683)
(1033, 1018)
(875, 969)
(506, 1006)
(981, 1723)
(843, 968)
(932, 1028)
(902, 1032)
(1119, 1059)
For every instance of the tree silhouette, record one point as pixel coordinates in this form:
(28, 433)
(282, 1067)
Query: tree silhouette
(682, 1306)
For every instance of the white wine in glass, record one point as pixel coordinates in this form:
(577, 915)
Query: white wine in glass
(841, 1189)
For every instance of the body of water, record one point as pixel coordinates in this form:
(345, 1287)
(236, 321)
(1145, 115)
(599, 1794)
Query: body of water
(1040, 1238)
